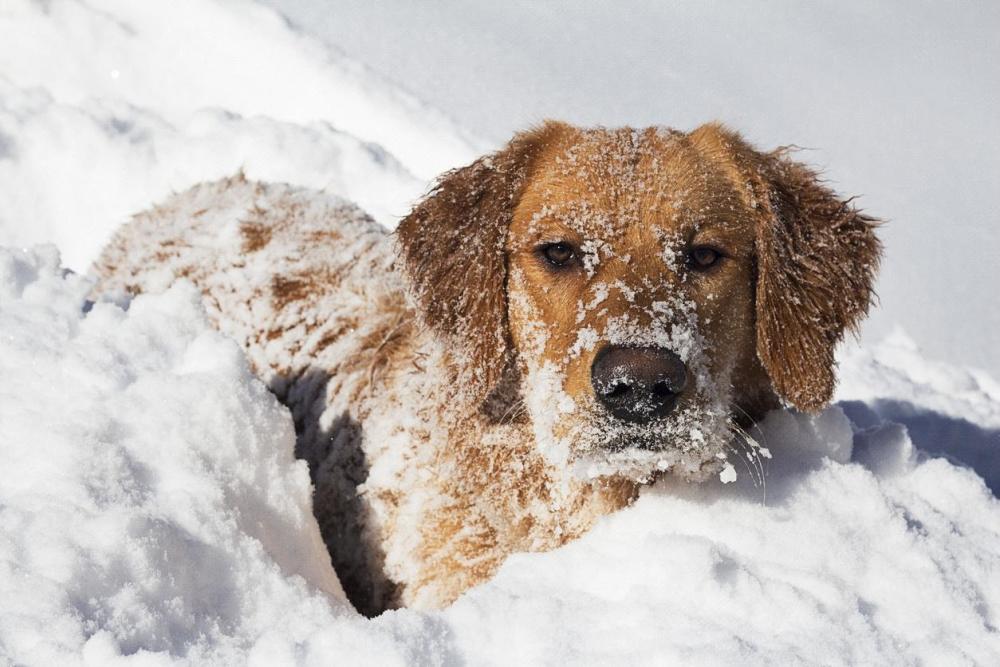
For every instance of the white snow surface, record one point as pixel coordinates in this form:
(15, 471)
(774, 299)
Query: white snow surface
(151, 511)
(108, 106)
(149, 498)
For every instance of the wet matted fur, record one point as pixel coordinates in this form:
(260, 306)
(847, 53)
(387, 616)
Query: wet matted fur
(440, 378)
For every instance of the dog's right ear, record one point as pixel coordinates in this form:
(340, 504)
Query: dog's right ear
(453, 249)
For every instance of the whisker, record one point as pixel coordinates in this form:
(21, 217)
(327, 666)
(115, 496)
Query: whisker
(513, 412)
(753, 452)
(739, 456)
(750, 420)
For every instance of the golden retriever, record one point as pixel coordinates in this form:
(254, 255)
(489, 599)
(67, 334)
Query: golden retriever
(553, 326)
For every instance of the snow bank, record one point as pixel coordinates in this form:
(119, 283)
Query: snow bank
(186, 55)
(151, 509)
(149, 499)
(96, 163)
(108, 106)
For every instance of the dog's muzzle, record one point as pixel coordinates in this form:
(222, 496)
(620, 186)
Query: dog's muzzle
(638, 384)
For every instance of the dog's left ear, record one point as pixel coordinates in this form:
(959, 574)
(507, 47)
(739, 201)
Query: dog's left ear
(453, 248)
(817, 257)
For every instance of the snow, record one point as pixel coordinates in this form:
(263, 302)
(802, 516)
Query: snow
(949, 411)
(112, 159)
(151, 508)
(151, 511)
(160, 57)
(102, 114)
(148, 479)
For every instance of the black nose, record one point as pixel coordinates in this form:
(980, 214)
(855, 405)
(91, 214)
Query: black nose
(638, 384)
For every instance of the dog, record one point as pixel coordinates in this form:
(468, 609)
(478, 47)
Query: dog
(552, 327)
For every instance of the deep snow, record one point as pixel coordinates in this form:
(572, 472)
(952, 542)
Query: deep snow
(150, 506)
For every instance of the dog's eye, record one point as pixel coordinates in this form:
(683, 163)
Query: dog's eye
(703, 257)
(557, 254)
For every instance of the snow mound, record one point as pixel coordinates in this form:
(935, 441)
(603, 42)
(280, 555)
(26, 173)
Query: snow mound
(149, 499)
(842, 565)
(183, 56)
(108, 106)
(96, 163)
(948, 410)
(151, 510)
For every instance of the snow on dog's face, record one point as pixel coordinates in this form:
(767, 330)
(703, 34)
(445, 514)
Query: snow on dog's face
(650, 288)
(631, 274)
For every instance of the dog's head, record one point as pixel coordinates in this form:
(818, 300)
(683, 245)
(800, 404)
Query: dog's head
(652, 288)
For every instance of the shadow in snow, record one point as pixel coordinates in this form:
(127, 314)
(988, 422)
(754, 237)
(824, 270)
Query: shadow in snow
(958, 440)
(337, 467)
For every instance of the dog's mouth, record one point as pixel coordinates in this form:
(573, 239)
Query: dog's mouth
(626, 427)
(649, 442)
(690, 442)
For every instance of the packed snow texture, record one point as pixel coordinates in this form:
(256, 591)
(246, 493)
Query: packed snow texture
(150, 506)
(149, 498)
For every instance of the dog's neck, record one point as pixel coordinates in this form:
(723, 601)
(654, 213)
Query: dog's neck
(483, 458)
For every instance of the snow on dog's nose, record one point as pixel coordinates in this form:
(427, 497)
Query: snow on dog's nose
(638, 384)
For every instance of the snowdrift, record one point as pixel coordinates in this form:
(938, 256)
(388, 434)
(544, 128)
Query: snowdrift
(107, 107)
(152, 511)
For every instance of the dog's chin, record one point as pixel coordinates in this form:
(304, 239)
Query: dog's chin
(690, 444)
(644, 466)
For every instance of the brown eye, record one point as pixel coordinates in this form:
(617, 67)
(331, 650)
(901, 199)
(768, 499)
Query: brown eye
(703, 257)
(558, 254)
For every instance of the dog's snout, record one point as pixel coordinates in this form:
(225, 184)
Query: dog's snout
(638, 384)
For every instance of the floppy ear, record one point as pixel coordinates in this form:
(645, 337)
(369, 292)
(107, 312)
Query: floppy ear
(817, 257)
(453, 247)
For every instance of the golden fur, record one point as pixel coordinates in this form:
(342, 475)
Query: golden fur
(440, 378)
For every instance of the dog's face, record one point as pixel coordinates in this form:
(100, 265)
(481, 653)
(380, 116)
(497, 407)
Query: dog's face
(630, 297)
(651, 287)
